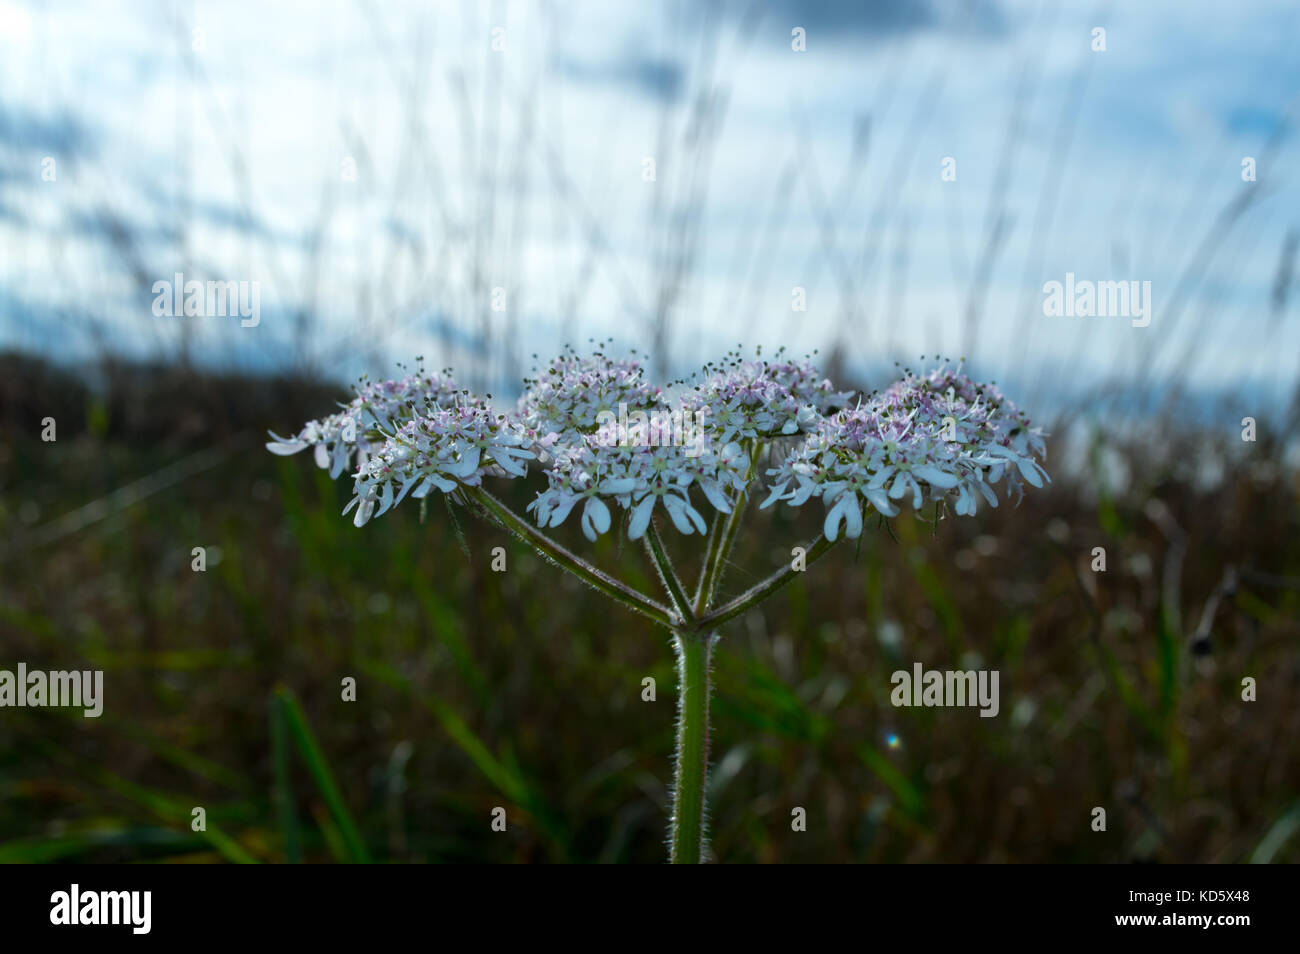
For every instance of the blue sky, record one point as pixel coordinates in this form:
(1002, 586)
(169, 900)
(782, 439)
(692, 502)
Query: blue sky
(213, 138)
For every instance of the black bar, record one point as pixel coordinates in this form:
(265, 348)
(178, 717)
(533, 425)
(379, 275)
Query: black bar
(334, 904)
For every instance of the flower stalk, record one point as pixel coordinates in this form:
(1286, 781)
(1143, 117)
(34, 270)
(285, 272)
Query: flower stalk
(723, 537)
(941, 438)
(761, 591)
(687, 833)
(655, 546)
(566, 559)
(693, 640)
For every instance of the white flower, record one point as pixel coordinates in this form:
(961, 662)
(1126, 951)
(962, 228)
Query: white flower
(442, 448)
(597, 472)
(940, 437)
(933, 438)
(359, 429)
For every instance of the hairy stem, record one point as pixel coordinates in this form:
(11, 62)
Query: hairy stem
(720, 548)
(710, 556)
(694, 652)
(655, 545)
(598, 579)
(761, 591)
(728, 539)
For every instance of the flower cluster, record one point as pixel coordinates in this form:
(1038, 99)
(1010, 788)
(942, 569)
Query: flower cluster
(355, 432)
(442, 448)
(567, 398)
(736, 400)
(638, 478)
(938, 437)
(762, 400)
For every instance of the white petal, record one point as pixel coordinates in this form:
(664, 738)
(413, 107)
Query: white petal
(853, 526)
(935, 476)
(283, 448)
(880, 501)
(595, 517)
(620, 485)
(701, 526)
(838, 513)
(677, 508)
(434, 480)
(466, 465)
(385, 498)
(562, 508)
(641, 517)
(715, 496)
(406, 487)
(363, 512)
(899, 486)
(807, 488)
(1030, 471)
(776, 494)
(504, 461)
(881, 476)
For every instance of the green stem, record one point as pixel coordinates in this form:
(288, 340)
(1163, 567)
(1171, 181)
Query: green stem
(655, 544)
(615, 589)
(694, 651)
(694, 633)
(710, 555)
(756, 594)
(720, 547)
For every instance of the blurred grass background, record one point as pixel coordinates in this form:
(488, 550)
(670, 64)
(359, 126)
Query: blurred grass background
(523, 689)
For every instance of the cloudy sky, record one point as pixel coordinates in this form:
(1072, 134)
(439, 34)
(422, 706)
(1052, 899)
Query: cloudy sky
(478, 181)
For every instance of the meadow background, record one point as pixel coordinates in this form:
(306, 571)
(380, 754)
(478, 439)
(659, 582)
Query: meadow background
(222, 154)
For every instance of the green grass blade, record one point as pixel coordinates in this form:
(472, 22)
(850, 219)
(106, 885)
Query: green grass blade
(301, 733)
(284, 783)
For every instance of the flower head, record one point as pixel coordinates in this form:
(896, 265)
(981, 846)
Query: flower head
(937, 437)
(358, 430)
(758, 399)
(600, 470)
(440, 448)
(563, 402)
